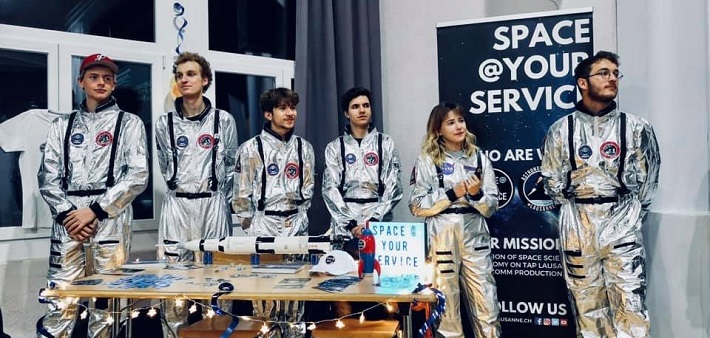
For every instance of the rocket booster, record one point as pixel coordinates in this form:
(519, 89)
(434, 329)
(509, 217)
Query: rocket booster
(245, 245)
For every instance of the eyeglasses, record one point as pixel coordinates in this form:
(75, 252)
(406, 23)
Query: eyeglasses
(606, 74)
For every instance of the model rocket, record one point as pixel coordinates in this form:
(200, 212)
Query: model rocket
(245, 245)
(368, 262)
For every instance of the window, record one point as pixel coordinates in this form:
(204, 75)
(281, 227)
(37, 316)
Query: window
(24, 89)
(239, 94)
(131, 20)
(253, 27)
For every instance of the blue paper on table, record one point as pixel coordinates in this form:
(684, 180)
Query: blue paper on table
(337, 284)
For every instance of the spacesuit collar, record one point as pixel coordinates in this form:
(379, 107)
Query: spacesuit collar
(268, 130)
(610, 108)
(370, 129)
(198, 117)
(111, 101)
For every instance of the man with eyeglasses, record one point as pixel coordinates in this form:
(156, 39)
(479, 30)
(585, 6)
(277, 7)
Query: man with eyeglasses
(602, 166)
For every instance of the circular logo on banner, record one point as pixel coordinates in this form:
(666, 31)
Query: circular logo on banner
(371, 159)
(291, 170)
(532, 191)
(447, 168)
(104, 138)
(77, 139)
(272, 169)
(350, 158)
(182, 141)
(610, 149)
(585, 152)
(205, 141)
(505, 188)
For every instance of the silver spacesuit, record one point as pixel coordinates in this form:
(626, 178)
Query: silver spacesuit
(459, 240)
(603, 170)
(361, 181)
(90, 160)
(197, 160)
(273, 187)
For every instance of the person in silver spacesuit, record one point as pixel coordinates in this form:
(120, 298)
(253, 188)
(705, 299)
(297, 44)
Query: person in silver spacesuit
(273, 184)
(602, 166)
(361, 180)
(197, 145)
(94, 165)
(453, 186)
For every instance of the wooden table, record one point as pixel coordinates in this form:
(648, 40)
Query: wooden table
(202, 283)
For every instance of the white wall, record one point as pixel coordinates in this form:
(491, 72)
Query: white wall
(664, 55)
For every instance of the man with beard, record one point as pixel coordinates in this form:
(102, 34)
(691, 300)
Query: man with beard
(273, 186)
(602, 166)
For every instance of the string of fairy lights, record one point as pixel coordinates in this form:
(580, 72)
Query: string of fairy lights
(180, 301)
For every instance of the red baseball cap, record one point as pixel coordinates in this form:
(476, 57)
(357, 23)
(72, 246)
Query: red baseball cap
(98, 60)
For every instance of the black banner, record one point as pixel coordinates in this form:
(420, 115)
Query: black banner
(514, 75)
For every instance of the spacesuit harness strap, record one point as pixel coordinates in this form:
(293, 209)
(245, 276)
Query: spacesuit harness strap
(260, 147)
(380, 184)
(479, 170)
(111, 180)
(622, 158)
(172, 182)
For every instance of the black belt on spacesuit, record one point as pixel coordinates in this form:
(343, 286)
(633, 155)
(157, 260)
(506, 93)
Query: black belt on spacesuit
(193, 196)
(465, 210)
(285, 213)
(84, 193)
(597, 200)
(361, 200)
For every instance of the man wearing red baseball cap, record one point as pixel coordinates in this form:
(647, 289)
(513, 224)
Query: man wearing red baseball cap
(95, 163)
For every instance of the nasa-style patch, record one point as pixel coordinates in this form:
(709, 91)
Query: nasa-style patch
(350, 158)
(291, 170)
(584, 152)
(371, 159)
(610, 149)
(77, 139)
(447, 168)
(206, 141)
(104, 138)
(272, 169)
(182, 141)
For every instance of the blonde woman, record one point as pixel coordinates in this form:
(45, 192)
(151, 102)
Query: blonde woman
(453, 187)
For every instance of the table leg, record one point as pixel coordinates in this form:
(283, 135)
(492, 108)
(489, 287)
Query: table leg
(405, 310)
(116, 315)
(129, 319)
